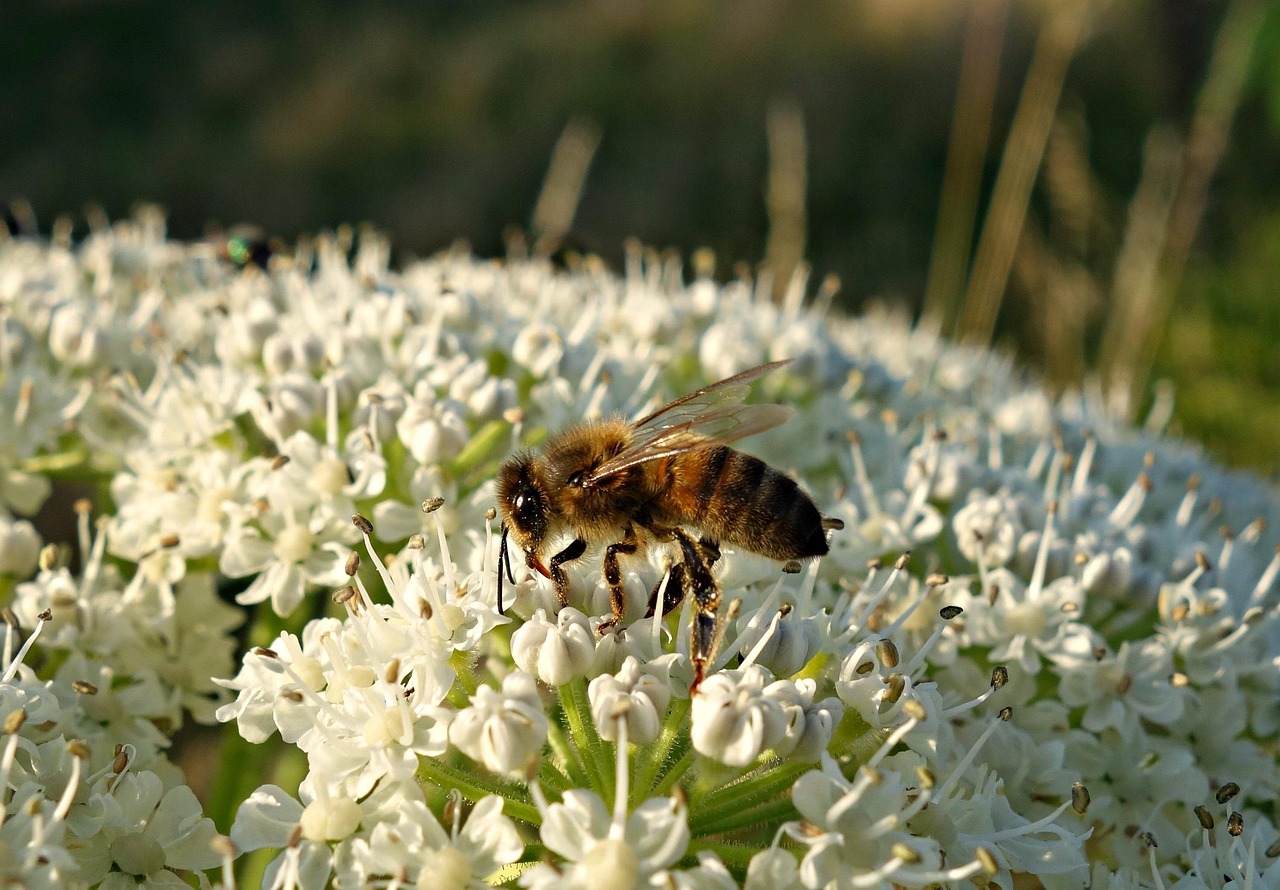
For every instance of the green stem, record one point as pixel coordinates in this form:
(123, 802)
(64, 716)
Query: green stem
(475, 788)
(570, 762)
(770, 813)
(774, 781)
(675, 774)
(573, 696)
(647, 768)
(732, 855)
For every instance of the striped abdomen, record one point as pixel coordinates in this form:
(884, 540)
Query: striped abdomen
(740, 500)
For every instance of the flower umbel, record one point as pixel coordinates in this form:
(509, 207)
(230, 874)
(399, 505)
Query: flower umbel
(1070, 677)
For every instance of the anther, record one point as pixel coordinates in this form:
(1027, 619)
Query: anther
(949, 612)
(887, 652)
(791, 567)
(936, 580)
(353, 565)
(417, 542)
(264, 652)
(1079, 798)
(279, 461)
(365, 526)
(1235, 824)
(343, 594)
(431, 505)
(901, 562)
(999, 676)
(1226, 792)
(84, 687)
(1205, 817)
(1006, 714)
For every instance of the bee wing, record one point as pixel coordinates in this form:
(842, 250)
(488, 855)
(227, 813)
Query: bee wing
(710, 416)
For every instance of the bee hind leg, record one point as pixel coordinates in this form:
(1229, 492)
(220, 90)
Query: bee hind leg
(710, 549)
(672, 595)
(612, 572)
(706, 615)
(558, 575)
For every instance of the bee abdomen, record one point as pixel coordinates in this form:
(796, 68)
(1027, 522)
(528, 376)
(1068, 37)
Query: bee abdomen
(746, 503)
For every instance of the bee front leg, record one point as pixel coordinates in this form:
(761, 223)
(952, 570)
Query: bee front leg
(558, 575)
(706, 618)
(613, 577)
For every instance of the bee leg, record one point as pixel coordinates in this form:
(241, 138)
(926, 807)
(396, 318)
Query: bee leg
(673, 596)
(706, 618)
(558, 575)
(711, 549)
(613, 577)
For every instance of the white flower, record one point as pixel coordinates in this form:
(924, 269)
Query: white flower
(578, 829)
(502, 729)
(988, 529)
(19, 547)
(151, 830)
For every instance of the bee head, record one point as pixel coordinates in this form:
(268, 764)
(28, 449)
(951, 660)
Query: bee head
(524, 503)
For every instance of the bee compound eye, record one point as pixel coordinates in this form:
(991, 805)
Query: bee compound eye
(575, 478)
(518, 503)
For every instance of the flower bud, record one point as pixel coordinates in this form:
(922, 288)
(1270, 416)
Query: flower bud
(647, 697)
(733, 720)
(502, 729)
(557, 652)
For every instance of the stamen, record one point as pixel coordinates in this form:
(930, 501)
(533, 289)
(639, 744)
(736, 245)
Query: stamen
(991, 690)
(618, 827)
(659, 604)
(863, 480)
(769, 606)
(1042, 555)
(968, 759)
(1187, 506)
(761, 643)
(860, 619)
(995, 449)
(1080, 481)
(1268, 578)
(1124, 512)
(1055, 473)
(891, 741)
(44, 616)
(79, 752)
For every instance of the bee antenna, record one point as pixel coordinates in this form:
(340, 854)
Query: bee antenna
(504, 562)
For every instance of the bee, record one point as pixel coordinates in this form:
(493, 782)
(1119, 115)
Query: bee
(660, 479)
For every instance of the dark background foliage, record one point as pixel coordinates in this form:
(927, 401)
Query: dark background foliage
(436, 121)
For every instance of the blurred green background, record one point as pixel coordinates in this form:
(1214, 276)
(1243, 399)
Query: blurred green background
(1105, 201)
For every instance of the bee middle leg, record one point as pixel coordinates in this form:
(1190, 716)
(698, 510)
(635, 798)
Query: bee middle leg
(558, 575)
(613, 577)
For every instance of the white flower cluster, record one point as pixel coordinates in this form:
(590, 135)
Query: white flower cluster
(1045, 646)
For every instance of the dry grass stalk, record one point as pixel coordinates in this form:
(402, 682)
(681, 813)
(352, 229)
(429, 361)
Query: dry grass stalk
(962, 178)
(1059, 37)
(785, 195)
(562, 189)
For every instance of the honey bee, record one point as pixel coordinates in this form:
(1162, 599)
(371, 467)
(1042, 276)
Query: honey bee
(653, 481)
